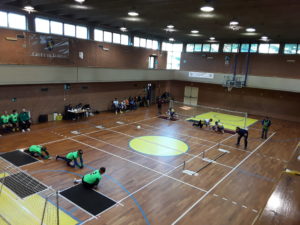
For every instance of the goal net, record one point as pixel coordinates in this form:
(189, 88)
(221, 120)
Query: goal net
(25, 200)
(229, 118)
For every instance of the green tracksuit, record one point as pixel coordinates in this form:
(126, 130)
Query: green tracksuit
(92, 178)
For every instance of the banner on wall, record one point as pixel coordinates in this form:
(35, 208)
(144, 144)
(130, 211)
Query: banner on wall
(201, 75)
(47, 46)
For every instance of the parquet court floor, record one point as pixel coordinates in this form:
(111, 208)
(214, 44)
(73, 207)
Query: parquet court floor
(152, 189)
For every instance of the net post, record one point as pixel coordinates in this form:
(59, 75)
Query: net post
(203, 154)
(3, 181)
(245, 123)
(44, 210)
(57, 207)
(183, 165)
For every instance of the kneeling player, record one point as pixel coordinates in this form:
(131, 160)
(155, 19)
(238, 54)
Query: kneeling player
(219, 127)
(91, 180)
(38, 151)
(73, 156)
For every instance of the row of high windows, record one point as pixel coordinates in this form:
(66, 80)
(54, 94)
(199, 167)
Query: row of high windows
(48, 26)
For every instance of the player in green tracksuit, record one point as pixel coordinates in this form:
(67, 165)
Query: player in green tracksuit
(266, 123)
(73, 156)
(14, 120)
(91, 180)
(25, 121)
(5, 122)
(38, 151)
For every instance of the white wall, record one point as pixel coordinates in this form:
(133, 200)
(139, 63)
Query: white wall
(271, 83)
(23, 74)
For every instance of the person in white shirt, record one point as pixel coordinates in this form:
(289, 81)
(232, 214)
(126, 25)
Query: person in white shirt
(116, 105)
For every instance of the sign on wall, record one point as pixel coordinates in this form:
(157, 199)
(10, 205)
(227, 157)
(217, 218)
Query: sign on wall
(47, 46)
(201, 75)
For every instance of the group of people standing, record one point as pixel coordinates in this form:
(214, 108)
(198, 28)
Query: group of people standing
(15, 121)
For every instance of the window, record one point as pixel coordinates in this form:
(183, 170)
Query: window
(214, 47)
(16, 21)
(136, 42)
(116, 38)
(81, 32)
(173, 60)
(42, 25)
(298, 52)
(98, 35)
(107, 36)
(152, 62)
(235, 48)
(198, 48)
(253, 48)
(290, 48)
(143, 42)
(269, 48)
(149, 43)
(245, 47)
(177, 47)
(206, 48)
(3, 19)
(69, 30)
(124, 39)
(190, 48)
(155, 45)
(227, 48)
(56, 28)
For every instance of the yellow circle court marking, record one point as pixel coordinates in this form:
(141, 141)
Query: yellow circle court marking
(158, 145)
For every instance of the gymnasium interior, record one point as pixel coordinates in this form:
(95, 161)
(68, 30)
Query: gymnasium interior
(155, 112)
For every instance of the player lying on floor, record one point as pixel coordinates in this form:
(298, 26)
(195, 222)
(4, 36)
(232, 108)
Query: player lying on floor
(218, 127)
(38, 151)
(91, 180)
(203, 122)
(73, 156)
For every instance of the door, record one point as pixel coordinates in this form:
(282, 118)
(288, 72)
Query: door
(191, 95)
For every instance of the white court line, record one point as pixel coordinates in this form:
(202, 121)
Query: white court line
(140, 154)
(220, 181)
(213, 142)
(168, 173)
(184, 153)
(138, 164)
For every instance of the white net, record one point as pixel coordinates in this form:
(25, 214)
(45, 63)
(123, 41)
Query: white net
(229, 118)
(25, 200)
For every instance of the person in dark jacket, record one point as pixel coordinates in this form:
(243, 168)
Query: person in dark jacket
(25, 121)
(242, 133)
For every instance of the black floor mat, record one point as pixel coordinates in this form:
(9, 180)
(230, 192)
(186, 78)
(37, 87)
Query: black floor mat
(88, 199)
(18, 158)
(22, 184)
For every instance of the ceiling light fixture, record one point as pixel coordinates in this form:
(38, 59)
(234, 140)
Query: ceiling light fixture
(123, 29)
(207, 8)
(170, 26)
(264, 38)
(195, 31)
(29, 8)
(234, 23)
(80, 1)
(171, 39)
(212, 38)
(250, 30)
(133, 13)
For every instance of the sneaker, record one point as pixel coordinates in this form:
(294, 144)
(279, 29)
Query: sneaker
(23, 130)
(28, 129)
(56, 157)
(75, 181)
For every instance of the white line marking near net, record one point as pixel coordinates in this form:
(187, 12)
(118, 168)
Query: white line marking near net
(220, 181)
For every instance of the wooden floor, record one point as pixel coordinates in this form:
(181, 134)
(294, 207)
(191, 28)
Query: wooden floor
(152, 189)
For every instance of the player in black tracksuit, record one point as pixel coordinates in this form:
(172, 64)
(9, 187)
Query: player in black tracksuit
(242, 133)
